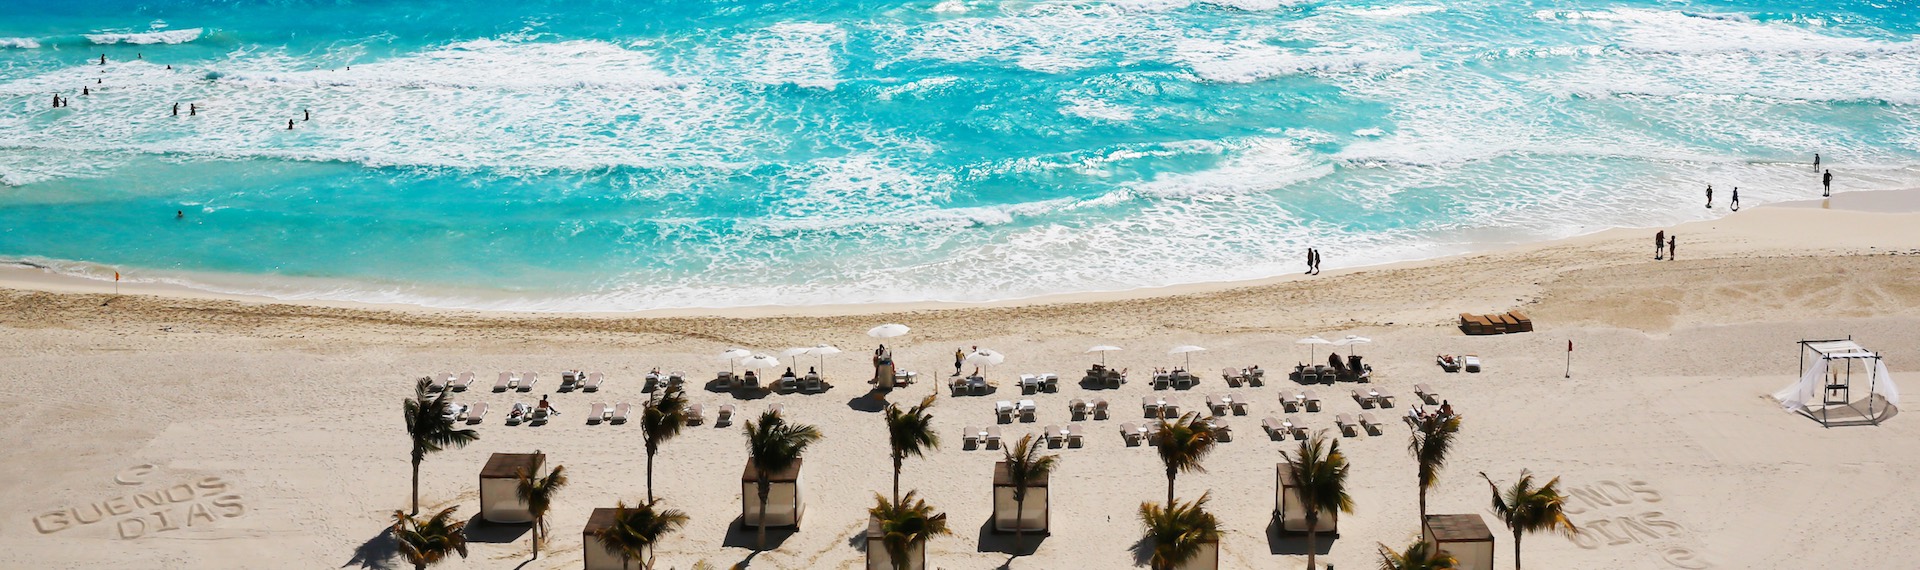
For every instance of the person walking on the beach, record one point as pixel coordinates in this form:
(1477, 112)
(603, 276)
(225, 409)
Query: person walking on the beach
(289, 124)
(1659, 245)
(1816, 162)
(1826, 180)
(1309, 270)
(103, 59)
(958, 355)
(176, 109)
(56, 100)
(193, 109)
(306, 115)
(1709, 196)
(1736, 200)
(1672, 253)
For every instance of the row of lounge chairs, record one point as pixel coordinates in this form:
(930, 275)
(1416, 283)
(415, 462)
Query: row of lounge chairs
(989, 438)
(1100, 375)
(1323, 374)
(524, 381)
(1005, 411)
(1236, 377)
(811, 382)
(1293, 427)
(1134, 434)
(1451, 363)
(970, 385)
(1176, 378)
(1080, 409)
(1031, 383)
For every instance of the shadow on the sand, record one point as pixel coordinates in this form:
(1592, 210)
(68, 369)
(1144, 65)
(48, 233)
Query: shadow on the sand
(376, 553)
(739, 535)
(1003, 543)
(481, 530)
(1292, 544)
(869, 402)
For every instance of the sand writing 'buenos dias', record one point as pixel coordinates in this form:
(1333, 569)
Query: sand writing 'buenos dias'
(1597, 529)
(153, 509)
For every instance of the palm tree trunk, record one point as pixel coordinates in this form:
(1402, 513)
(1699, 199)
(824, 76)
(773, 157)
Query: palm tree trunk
(416, 487)
(765, 488)
(649, 475)
(1423, 509)
(897, 461)
(1516, 550)
(1313, 535)
(536, 539)
(1170, 475)
(1019, 527)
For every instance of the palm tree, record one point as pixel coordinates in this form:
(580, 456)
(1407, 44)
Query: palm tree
(1025, 468)
(660, 420)
(911, 433)
(906, 524)
(1319, 473)
(538, 492)
(431, 430)
(1432, 439)
(774, 445)
(636, 531)
(428, 541)
(1183, 444)
(1176, 533)
(1421, 555)
(1526, 508)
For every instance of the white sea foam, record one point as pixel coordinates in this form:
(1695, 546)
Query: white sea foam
(19, 43)
(799, 53)
(1250, 61)
(1098, 110)
(143, 38)
(1258, 165)
(1391, 11)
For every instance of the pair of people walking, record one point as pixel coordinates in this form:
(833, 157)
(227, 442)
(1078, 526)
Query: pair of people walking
(1313, 261)
(1664, 245)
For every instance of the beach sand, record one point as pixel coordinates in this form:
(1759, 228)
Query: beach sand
(270, 434)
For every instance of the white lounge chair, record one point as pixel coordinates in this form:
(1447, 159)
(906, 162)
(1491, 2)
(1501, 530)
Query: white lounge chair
(539, 416)
(1346, 424)
(1295, 427)
(1221, 430)
(1381, 397)
(619, 415)
(1232, 376)
(1216, 405)
(1077, 408)
(696, 415)
(1150, 406)
(1471, 362)
(475, 413)
(527, 380)
(1099, 408)
(971, 437)
(1170, 408)
(1029, 383)
(1426, 394)
(958, 385)
(1050, 382)
(592, 384)
(505, 382)
(1369, 423)
(1292, 402)
(1131, 433)
(1054, 436)
(1074, 432)
(992, 438)
(1364, 399)
(1003, 411)
(1237, 404)
(1310, 401)
(725, 417)
(460, 384)
(597, 414)
(1027, 409)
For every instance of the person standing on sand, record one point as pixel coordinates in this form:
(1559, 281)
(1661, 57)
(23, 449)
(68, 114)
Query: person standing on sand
(958, 355)
(1672, 253)
(1826, 181)
(1709, 196)
(1309, 270)
(1816, 162)
(1659, 245)
(1736, 201)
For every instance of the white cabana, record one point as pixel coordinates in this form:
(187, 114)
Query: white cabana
(1829, 372)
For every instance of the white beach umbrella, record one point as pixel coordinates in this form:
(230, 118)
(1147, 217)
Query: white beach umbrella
(888, 330)
(1310, 341)
(794, 353)
(1103, 350)
(984, 357)
(733, 355)
(760, 361)
(1352, 340)
(1188, 350)
(822, 350)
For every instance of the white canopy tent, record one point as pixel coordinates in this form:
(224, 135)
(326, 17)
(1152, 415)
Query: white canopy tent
(1827, 378)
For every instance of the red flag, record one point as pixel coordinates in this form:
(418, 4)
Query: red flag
(1569, 345)
(116, 276)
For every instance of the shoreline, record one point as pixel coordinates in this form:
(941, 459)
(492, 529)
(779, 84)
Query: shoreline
(30, 277)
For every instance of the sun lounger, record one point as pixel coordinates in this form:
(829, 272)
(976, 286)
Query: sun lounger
(1074, 431)
(1152, 432)
(1448, 362)
(1099, 408)
(539, 416)
(527, 380)
(1471, 362)
(1256, 376)
(676, 378)
(1233, 376)
(958, 385)
(1345, 422)
(1050, 382)
(1215, 405)
(619, 414)
(724, 417)
(1294, 426)
(1003, 411)
(1237, 404)
(1160, 380)
(992, 438)
(1271, 425)
(1365, 400)
(475, 413)
(1291, 402)
(970, 437)
(1381, 397)
(777, 408)
(1426, 394)
(1170, 408)
(505, 382)
(1077, 408)
(1150, 406)
(1130, 433)
(1310, 401)
(1027, 410)
(726, 378)
(597, 414)
(1029, 383)
(814, 383)
(593, 382)
(1221, 430)
(1372, 425)
(440, 382)
(1054, 436)
(460, 384)
(696, 415)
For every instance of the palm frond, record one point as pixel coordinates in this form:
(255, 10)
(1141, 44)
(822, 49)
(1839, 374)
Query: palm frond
(1175, 535)
(1421, 555)
(910, 431)
(1185, 442)
(1026, 466)
(428, 541)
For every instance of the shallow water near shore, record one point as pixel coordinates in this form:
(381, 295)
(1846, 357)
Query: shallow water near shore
(594, 156)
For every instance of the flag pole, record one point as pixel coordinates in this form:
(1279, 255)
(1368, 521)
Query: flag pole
(1569, 358)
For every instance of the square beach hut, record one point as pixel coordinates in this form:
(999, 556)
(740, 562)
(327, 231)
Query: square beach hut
(597, 556)
(785, 502)
(500, 486)
(1288, 513)
(1033, 518)
(1465, 537)
(879, 559)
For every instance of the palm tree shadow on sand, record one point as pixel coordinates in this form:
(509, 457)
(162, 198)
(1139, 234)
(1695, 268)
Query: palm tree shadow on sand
(376, 553)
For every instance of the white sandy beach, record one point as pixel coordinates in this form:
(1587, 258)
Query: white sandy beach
(283, 420)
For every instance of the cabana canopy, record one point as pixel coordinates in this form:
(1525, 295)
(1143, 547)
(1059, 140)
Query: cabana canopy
(1827, 378)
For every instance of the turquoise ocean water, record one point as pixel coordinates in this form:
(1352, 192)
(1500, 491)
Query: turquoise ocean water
(592, 155)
